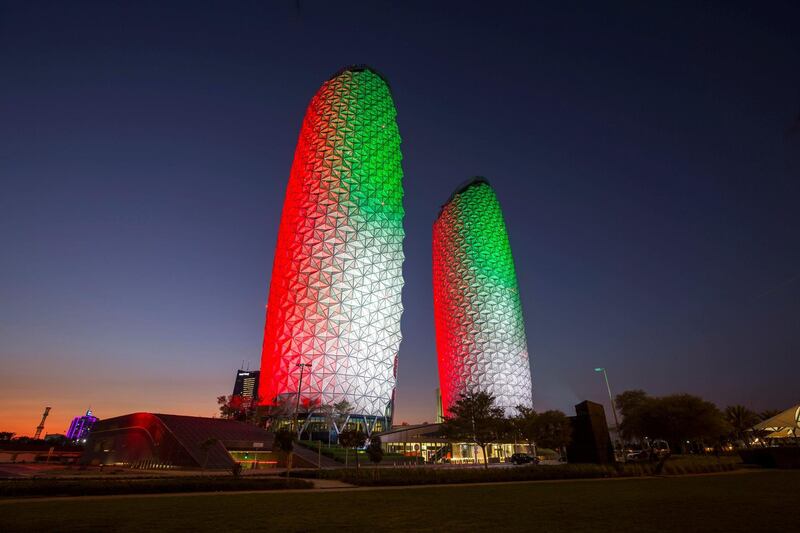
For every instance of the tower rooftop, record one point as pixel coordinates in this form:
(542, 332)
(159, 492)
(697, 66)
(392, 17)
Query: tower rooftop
(476, 180)
(360, 68)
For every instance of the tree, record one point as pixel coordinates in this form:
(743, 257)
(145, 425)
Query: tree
(630, 400)
(230, 407)
(241, 408)
(740, 419)
(279, 410)
(631, 406)
(375, 450)
(308, 407)
(523, 425)
(552, 429)
(352, 438)
(341, 411)
(677, 418)
(284, 441)
(475, 418)
(206, 446)
(682, 417)
(767, 414)
(6, 435)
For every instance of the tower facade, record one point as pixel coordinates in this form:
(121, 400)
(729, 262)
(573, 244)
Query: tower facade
(480, 332)
(80, 427)
(246, 384)
(335, 293)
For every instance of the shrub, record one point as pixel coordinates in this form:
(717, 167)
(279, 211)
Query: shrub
(426, 475)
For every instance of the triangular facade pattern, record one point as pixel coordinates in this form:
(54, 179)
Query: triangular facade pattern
(335, 294)
(480, 332)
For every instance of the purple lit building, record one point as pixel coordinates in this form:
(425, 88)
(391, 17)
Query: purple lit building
(80, 427)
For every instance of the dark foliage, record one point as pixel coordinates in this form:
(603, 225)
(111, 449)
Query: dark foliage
(475, 418)
(284, 440)
(352, 438)
(676, 418)
(436, 476)
(235, 407)
(86, 487)
(740, 419)
(552, 429)
(375, 450)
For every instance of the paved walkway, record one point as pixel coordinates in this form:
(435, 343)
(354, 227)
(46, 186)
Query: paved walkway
(332, 485)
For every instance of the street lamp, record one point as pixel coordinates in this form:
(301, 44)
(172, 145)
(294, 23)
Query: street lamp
(610, 397)
(299, 387)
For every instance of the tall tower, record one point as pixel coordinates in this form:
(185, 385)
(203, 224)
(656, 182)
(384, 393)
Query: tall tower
(335, 294)
(480, 332)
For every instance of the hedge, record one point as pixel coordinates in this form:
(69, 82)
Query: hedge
(427, 475)
(92, 487)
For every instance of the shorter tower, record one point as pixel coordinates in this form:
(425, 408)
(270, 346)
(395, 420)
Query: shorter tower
(246, 384)
(81, 426)
(480, 332)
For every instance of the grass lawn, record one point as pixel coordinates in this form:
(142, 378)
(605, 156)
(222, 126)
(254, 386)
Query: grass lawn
(751, 501)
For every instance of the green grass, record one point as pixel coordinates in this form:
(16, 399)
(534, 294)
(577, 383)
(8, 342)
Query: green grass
(750, 501)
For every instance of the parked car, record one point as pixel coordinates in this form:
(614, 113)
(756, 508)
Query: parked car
(651, 451)
(523, 458)
(660, 448)
(637, 456)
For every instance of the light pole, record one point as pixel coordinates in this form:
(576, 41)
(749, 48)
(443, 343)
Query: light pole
(299, 387)
(610, 397)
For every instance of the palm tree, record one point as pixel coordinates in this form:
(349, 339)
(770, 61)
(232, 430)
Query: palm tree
(767, 414)
(741, 419)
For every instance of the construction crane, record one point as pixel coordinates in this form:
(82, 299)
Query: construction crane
(40, 427)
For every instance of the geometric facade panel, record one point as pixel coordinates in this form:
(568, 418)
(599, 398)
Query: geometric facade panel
(335, 292)
(480, 332)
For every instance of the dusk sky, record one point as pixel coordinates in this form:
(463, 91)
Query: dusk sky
(647, 160)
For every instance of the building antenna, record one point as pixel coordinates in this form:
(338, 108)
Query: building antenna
(40, 427)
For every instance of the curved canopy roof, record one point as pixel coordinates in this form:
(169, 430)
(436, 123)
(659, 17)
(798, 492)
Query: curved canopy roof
(784, 424)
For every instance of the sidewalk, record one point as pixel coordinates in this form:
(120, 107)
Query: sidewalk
(330, 484)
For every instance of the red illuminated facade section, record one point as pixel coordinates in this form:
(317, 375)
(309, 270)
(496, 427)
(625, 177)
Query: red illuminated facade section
(335, 294)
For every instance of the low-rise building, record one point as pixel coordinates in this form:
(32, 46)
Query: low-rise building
(151, 440)
(427, 443)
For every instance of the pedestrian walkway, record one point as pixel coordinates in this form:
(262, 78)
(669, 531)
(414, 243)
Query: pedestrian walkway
(313, 456)
(330, 484)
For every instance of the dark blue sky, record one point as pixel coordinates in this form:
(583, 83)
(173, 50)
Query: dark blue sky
(647, 160)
